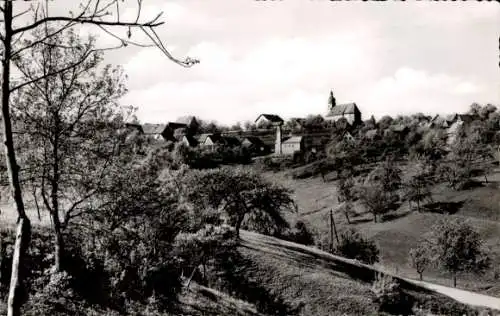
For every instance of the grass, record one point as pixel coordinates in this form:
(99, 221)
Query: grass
(312, 282)
(203, 301)
(481, 206)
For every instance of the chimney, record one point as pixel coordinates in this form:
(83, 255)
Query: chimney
(277, 143)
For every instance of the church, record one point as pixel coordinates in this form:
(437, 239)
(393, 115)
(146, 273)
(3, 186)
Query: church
(349, 111)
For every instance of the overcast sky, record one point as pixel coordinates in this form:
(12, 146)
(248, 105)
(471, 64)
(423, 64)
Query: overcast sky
(283, 57)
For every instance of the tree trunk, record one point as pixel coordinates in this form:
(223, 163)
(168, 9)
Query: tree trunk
(23, 234)
(347, 217)
(454, 280)
(54, 196)
(17, 288)
(58, 244)
(238, 225)
(420, 276)
(374, 217)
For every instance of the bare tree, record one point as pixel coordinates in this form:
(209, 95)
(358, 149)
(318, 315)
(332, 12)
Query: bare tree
(69, 123)
(104, 14)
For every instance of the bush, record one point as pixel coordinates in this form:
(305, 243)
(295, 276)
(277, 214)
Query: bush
(354, 246)
(389, 297)
(298, 234)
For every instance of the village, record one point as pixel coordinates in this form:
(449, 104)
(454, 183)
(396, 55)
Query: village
(271, 135)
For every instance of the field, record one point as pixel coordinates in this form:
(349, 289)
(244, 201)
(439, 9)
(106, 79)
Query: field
(481, 206)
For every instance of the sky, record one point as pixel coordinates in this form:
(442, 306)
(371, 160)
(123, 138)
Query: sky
(284, 57)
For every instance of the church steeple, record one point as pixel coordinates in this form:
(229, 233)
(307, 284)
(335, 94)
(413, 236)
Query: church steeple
(331, 100)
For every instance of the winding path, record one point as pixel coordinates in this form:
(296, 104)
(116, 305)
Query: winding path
(282, 247)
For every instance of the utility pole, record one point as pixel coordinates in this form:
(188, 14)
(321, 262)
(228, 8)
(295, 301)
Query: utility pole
(333, 229)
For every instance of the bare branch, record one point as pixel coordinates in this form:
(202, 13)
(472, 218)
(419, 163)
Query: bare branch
(84, 20)
(52, 73)
(122, 40)
(22, 13)
(61, 29)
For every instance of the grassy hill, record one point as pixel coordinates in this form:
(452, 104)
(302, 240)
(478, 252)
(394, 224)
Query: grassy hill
(481, 206)
(312, 282)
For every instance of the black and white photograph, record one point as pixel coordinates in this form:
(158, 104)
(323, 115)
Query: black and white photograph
(249, 158)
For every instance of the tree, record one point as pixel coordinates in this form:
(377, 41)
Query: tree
(69, 122)
(355, 246)
(458, 169)
(417, 187)
(420, 259)
(457, 248)
(345, 191)
(242, 195)
(388, 175)
(202, 246)
(92, 12)
(375, 199)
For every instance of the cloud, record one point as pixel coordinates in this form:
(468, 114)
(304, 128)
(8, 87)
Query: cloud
(410, 91)
(287, 75)
(284, 58)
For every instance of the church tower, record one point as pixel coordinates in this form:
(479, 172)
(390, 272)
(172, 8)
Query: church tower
(331, 101)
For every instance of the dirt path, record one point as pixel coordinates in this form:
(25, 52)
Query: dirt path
(285, 249)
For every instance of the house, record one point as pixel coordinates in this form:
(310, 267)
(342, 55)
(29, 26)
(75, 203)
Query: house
(349, 111)
(213, 141)
(155, 131)
(190, 122)
(175, 131)
(163, 131)
(271, 119)
(189, 141)
(290, 146)
(254, 144)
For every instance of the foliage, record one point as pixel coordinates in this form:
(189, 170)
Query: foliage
(376, 200)
(355, 246)
(417, 186)
(71, 126)
(420, 259)
(204, 245)
(240, 194)
(458, 169)
(457, 248)
(389, 296)
(299, 234)
(388, 175)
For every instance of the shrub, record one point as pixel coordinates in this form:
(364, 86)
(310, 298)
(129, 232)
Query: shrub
(389, 297)
(354, 246)
(299, 234)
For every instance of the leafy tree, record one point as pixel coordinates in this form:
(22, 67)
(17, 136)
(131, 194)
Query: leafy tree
(69, 123)
(388, 175)
(346, 195)
(249, 126)
(355, 246)
(15, 41)
(375, 199)
(433, 144)
(347, 209)
(457, 248)
(458, 169)
(385, 121)
(420, 259)
(417, 187)
(242, 195)
(203, 246)
(314, 122)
